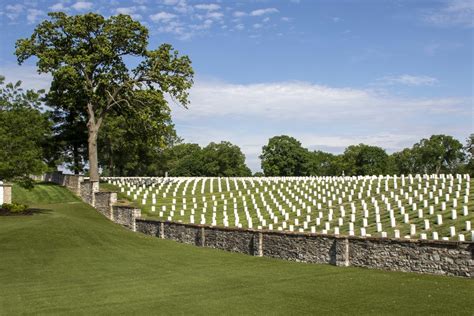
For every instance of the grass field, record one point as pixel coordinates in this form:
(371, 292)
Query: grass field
(69, 259)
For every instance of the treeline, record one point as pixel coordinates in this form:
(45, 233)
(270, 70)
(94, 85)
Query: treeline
(285, 156)
(188, 160)
(34, 140)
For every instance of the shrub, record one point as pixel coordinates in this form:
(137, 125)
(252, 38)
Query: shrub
(15, 207)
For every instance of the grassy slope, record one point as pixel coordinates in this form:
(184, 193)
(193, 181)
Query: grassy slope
(71, 259)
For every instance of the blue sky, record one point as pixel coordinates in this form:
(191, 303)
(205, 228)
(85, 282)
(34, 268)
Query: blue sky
(329, 73)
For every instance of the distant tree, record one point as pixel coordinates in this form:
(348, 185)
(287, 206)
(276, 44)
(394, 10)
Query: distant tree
(439, 153)
(184, 160)
(283, 156)
(258, 174)
(364, 160)
(91, 51)
(24, 130)
(404, 162)
(224, 159)
(321, 163)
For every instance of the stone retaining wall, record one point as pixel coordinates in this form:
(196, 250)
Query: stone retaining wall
(70, 181)
(434, 257)
(126, 216)
(104, 202)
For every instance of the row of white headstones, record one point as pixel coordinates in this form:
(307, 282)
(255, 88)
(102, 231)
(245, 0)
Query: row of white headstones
(318, 194)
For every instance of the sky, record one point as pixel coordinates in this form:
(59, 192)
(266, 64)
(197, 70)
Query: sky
(329, 73)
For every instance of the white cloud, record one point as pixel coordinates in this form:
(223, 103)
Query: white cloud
(207, 6)
(162, 16)
(239, 27)
(321, 117)
(409, 80)
(13, 11)
(455, 12)
(260, 12)
(305, 101)
(58, 7)
(215, 15)
(239, 14)
(170, 2)
(33, 15)
(82, 5)
(182, 7)
(257, 25)
(132, 11)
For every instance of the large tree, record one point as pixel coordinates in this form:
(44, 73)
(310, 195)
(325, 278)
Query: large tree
(224, 160)
(283, 156)
(320, 163)
(439, 153)
(184, 160)
(91, 49)
(24, 131)
(364, 160)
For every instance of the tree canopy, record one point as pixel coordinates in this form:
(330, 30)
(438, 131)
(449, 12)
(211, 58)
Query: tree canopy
(90, 51)
(24, 131)
(283, 156)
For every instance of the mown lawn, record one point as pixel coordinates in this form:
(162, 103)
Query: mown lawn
(70, 259)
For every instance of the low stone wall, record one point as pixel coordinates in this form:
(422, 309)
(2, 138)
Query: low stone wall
(104, 202)
(425, 256)
(126, 216)
(88, 191)
(70, 181)
(434, 257)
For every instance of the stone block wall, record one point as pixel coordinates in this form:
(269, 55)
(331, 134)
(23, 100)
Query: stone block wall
(234, 240)
(126, 216)
(434, 257)
(70, 181)
(424, 256)
(104, 202)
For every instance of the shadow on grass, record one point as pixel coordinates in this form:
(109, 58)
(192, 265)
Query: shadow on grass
(28, 212)
(47, 183)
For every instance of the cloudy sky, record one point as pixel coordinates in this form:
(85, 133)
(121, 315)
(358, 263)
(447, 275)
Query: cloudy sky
(329, 73)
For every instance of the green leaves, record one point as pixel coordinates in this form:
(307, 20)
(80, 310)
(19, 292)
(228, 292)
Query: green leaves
(23, 132)
(283, 156)
(86, 56)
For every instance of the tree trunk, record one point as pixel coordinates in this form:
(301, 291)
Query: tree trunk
(93, 126)
(93, 160)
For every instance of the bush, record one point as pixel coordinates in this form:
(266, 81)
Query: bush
(15, 207)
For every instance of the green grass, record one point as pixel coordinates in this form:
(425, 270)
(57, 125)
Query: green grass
(70, 259)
